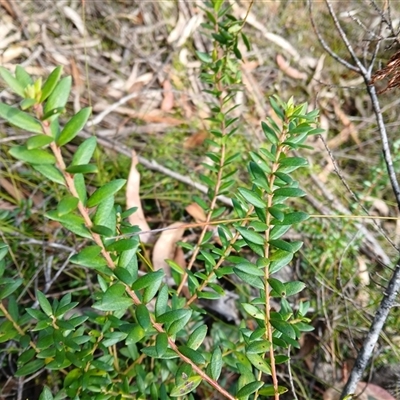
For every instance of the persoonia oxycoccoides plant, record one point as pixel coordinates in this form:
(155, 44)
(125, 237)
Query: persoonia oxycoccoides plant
(145, 337)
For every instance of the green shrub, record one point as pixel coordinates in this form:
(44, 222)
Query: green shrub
(144, 339)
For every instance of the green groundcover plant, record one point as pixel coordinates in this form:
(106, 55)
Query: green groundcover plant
(145, 337)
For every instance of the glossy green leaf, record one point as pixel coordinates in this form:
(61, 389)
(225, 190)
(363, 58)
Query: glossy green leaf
(179, 324)
(261, 164)
(162, 301)
(294, 287)
(44, 303)
(26, 103)
(249, 268)
(258, 347)
(253, 311)
(204, 57)
(289, 192)
(278, 231)
(108, 190)
(84, 152)
(279, 260)
(269, 390)
(277, 286)
(14, 84)
(59, 95)
(252, 197)
(161, 343)
(278, 111)
(293, 161)
(124, 245)
(277, 213)
(67, 205)
(249, 389)
(186, 387)
(72, 222)
(135, 334)
(80, 186)
(112, 338)
(51, 83)
(82, 169)
(22, 76)
(74, 126)
(250, 236)
(216, 363)
(171, 316)
(10, 288)
(143, 316)
(114, 299)
(295, 218)
(34, 156)
(38, 141)
(193, 355)
(3, 251)
(149, 279)
(197, 337)
(152, 352)
(55, 112)
(50, 172)
(284, 327)
(252, 280)
(20, 119)
(269, 133)
(283, 245)
(259, 363)
(30, 368)
(90, 257)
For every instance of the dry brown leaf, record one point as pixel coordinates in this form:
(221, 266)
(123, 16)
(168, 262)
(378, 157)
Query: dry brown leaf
(195, 140)
(133, 200)
(75, 18)
(288, 70)
(349, 129)
(363, 275)
(196, 212)
(6, 206)
(167, 103)
(11, 189)
(364, 391)
(165, 247)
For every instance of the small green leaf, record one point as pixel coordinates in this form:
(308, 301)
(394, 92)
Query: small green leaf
(74, 223)
(284, 327)
(20, 119)
(37, 141)
(124, 245)
(85, 151)
(193, 355)
(249, 389)
(186, 387)
(149, 279)
(216, 363)
(204, 57)
(44, 303)
(249, 268)
(82, 169)
(294, 287)
(278, 231)
(197, 336)
(179, 323)
(14, 84)
(143, 316)
(258, 347)
(252, 197)
(171, 316)
(269, 133)
(51, 83)
(276, 213)
(114, 299)
(161, 343)
(278, 286)
(253, 311)
(295, 218)
(276, 108)
(22, 76)
(67, 205)
(293, 161)
(259, 363)
(26, 103)
(269, 390)
(34, 156)
(279, 260)
(135, 334)
(162, 301)
(108, 190)
(30, 368)
(74, 126)
(289, 192)
(89, 257)
(10, 288)
(250, 236)
(79, 181)
(252, 280)
(59, 96)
